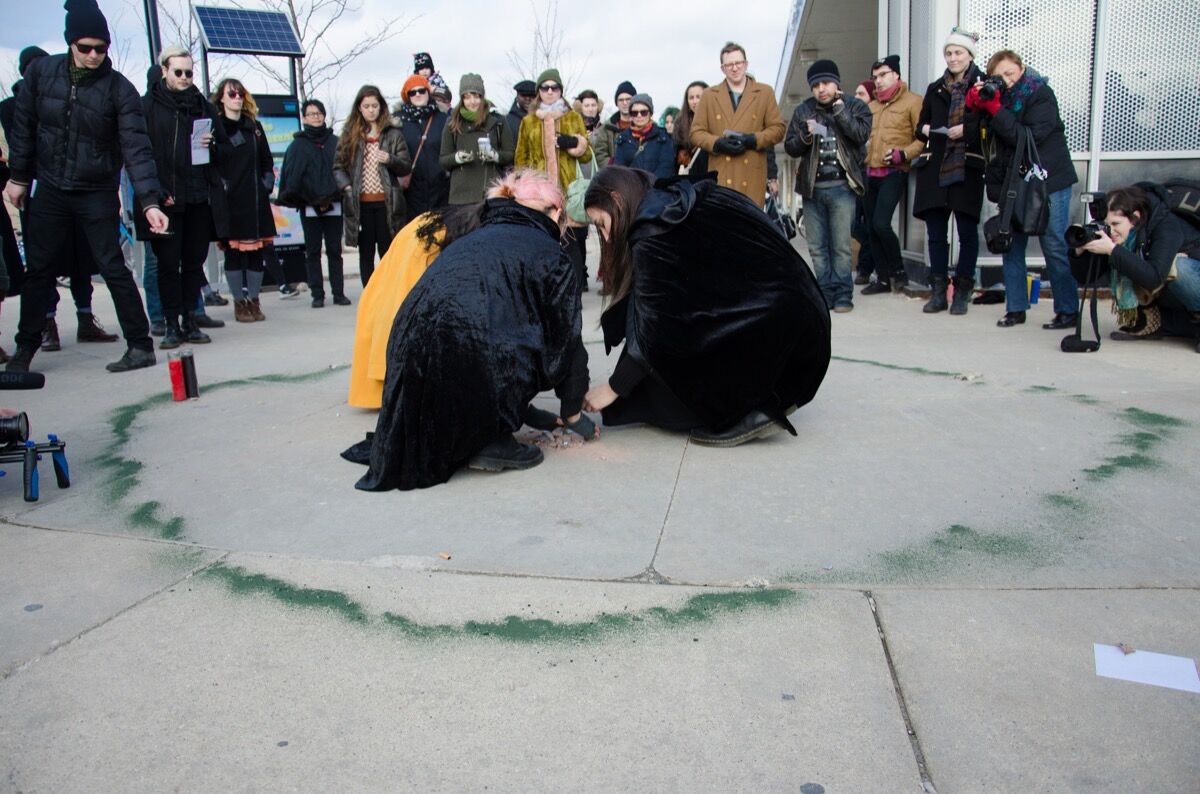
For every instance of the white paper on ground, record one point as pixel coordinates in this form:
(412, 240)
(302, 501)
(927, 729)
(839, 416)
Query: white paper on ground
(1146, 667)
(200, 128)
(820, 129)
(335, 211)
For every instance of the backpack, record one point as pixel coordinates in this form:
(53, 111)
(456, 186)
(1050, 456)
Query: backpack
(1182, 197)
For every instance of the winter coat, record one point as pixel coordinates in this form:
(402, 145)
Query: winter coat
(852, 124)
(306, 177)
(656, 154)
(8, 110)
(430, 185)
(169, 119)
(496, 320)
(78, 137)
(1039, 115)
(894, 126)
(247, 173)
(469, 181)
(1162, 236)
(529, 146)
(349, 178)
(727, 315)
(514, 118)
(964, 198)
(604, 140)
(758, 113)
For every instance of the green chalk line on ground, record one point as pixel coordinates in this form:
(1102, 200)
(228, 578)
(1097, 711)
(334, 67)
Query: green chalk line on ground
(699, 609)
(123, 473)
(940, 373)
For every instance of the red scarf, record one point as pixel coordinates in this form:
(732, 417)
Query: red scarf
(640, 135)
(890, 94)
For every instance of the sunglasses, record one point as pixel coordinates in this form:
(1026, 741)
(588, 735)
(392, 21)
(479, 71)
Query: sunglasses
(418, 91)
(233, 93)
(183, 72)
(549, 87)
(88, 49)
(639, 112)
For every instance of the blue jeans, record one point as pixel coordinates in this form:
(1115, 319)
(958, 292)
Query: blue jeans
(1058, 269)
(828, 218)
(1186, 286)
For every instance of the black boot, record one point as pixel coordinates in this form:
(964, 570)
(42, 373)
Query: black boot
(204, 321)
(90, 330)
(173, 338)
(937, 301)
(50, 340)
(134, 358)
(20, 360)
(192, 332)
(506, 453)
(755, 424)
(963, 288)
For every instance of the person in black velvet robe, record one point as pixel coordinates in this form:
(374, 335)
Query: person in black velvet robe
(725, 331)
(494, 320)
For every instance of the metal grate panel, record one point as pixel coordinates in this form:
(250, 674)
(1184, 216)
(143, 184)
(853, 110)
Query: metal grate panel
(1056, 38)
(1150, 77)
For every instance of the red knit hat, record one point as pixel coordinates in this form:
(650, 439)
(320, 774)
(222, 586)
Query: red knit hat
(869, 85)
(414, 81)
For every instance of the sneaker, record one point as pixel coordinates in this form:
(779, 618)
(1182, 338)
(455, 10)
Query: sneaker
(318, 303)
(204, 321)
(876, 288)
(507, 453)
(341, 300)
(134, 358)
(843, 308)
(287, 291)
(215, 298)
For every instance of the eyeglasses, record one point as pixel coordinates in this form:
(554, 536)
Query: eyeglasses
(549, 87)
(88, 49)
(233, 93)
(733, 65)
(314, 114)
(183, 72)
(418, 92)
(639, 112)
(881, 75)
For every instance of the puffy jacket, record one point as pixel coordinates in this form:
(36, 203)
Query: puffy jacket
(469, 180)
(76, 137)
(894, 126)
(306, 177)
(349, 177)
(656, 154)
(852, 122)
(1039, 115)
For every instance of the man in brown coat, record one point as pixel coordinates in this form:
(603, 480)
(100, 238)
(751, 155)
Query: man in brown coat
(737, 121)
(890, 151)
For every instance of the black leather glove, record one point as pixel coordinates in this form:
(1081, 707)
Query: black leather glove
(729, 146)
(750, 141)
(566, 142)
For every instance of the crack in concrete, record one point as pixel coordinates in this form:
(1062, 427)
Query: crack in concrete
(913, 740)
(670, 504)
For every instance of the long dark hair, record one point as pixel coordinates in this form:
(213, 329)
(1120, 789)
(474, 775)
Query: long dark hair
(683, 122)
(455, 220)
(249, 106)
(1127, 201)
(356, 127)
(618, 191)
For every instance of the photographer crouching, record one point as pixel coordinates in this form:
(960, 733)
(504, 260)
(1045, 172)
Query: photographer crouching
(1154, 261)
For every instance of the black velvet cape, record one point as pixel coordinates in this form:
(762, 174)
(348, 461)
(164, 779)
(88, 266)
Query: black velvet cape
(727, 314)
(494, 320)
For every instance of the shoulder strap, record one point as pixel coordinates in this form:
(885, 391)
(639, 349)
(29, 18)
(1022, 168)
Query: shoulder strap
(424, 135)
(1010, 182)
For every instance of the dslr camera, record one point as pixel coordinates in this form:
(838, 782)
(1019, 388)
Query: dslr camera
(991, 88)
(1080, 234)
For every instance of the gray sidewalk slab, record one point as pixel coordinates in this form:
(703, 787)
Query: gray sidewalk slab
(207, 687)
(1003, 693)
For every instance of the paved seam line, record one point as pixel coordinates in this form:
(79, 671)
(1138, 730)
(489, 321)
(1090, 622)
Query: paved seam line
(913, 739)
(183, 544)
(12, 671)
(671, 503)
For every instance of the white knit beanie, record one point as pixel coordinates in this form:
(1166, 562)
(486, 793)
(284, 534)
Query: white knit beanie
(962, 38)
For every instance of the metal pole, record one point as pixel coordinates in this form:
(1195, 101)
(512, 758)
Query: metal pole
(153, 36)
(1099, 69)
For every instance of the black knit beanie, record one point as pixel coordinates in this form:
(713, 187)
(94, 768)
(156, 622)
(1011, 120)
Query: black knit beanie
(84, 21)
(823, 71)
(624, 88)
(28, 56)
(422, 60)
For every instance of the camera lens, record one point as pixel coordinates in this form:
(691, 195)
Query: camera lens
(14, 429)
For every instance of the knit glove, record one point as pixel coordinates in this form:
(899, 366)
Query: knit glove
(725, 145)
(567, 142)
(463, 157)
(896, 157)
(490, 156)
(974, 102)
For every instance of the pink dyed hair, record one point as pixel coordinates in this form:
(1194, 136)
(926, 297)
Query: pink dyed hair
(528, 185)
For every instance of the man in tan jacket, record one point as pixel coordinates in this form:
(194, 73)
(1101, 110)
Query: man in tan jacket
(890, 151)
(737, 121)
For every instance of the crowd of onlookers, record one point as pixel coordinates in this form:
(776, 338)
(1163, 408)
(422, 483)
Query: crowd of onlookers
(201, 172)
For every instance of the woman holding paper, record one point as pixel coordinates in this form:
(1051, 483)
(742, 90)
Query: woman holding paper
(186, 137)
(950, 173)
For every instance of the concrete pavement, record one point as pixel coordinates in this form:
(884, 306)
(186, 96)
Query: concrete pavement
(904, 596)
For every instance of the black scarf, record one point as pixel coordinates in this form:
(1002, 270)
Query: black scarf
(416, 114)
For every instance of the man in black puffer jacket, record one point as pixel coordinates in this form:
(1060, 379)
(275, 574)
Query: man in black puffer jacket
(77, 120)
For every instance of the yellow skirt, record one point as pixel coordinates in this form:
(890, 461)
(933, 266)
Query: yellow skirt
(396, 274)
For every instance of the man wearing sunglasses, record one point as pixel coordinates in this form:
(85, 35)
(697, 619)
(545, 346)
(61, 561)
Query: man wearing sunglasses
(737, 121)
(77, 121)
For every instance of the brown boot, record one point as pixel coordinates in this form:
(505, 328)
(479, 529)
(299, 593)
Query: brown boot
(50, 340)
(256, 309)
(92, 331)
(242, 312)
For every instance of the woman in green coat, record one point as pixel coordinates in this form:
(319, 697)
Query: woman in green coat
(476, 143)
(552, 128)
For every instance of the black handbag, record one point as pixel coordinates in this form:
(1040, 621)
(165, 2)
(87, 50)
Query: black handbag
(782, 221)
(1024, 206)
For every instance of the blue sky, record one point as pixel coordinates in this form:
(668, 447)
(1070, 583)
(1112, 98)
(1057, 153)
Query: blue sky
(661, 47)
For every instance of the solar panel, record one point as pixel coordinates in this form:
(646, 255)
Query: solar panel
(242, 30)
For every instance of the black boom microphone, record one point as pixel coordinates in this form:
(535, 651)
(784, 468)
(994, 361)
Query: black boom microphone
(10, 381)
